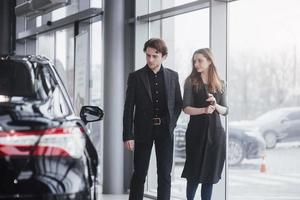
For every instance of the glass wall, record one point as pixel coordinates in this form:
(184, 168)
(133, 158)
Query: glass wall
(182, 39)
(96, 86)
(96, 72)
(264, 100)
(96, 3)
(82, 68)
(46, 45)
(64, 58)
(66, 11)
(59, 47)
(157, 5)
(76, 52)
(38, 21)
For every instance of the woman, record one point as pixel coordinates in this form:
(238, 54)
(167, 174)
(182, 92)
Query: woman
(204, 99)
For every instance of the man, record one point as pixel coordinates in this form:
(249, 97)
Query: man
(152, 106)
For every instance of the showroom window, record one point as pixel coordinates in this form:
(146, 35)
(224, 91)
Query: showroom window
(96, 3)
(64, 58)
(66, 11)
(181, 47)
(76, 48)
(59, 47)
(182, 39)
(46, 45)
(96, 86)
(96, 71)
(151, 6)
(263, 75)
(158, 5)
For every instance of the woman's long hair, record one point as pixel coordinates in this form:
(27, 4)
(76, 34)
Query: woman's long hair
(214, 81)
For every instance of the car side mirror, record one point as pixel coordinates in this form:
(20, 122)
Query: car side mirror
(91, 114)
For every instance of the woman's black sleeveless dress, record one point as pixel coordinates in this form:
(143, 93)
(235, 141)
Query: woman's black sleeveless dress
(205, 139)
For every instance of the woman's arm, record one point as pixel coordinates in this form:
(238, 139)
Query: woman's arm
(188, 102)
(221, 109)
(198, 111)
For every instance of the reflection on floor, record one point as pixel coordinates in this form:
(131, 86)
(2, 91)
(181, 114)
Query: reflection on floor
(115, 197)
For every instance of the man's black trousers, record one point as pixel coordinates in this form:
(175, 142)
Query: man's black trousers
(163, 141)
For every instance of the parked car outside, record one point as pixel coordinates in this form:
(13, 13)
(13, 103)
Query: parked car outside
(278, 125)
(45, 152)
(242, 144)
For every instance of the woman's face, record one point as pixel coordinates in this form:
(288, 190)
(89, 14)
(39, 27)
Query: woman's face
(201, 63)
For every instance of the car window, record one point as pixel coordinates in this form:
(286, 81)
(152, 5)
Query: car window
(16, 79)
(45, 84)
(294, 116)
(60, 107)
(52, 90)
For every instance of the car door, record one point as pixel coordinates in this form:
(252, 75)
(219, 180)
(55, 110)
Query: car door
(292, 123)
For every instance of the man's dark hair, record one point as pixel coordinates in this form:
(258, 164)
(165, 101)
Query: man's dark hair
(157, 44)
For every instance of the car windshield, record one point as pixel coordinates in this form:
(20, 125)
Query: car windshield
(270, 115)
(15, 80)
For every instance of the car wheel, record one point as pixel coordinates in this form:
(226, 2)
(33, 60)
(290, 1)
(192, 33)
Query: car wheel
(236, 152)
(270, 139)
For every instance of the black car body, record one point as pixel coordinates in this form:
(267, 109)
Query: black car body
(241, 144)
(244, 144)
(45, 152)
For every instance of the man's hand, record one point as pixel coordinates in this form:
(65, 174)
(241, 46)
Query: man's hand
(129, 144)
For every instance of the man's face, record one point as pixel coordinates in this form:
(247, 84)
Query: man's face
(154, 58)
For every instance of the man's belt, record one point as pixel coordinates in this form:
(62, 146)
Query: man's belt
(156, 121)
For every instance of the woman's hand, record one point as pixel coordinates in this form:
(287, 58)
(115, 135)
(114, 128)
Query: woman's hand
(209, 109)
(211, 99)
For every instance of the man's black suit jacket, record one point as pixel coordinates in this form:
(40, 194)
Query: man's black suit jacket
(138, 108)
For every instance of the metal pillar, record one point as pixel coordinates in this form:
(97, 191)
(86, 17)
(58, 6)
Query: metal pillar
(218, 45)
(8, 28)
(113, 152)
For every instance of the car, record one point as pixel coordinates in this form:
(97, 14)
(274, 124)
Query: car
(278, 125)
(45, 150)
(242, 144)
